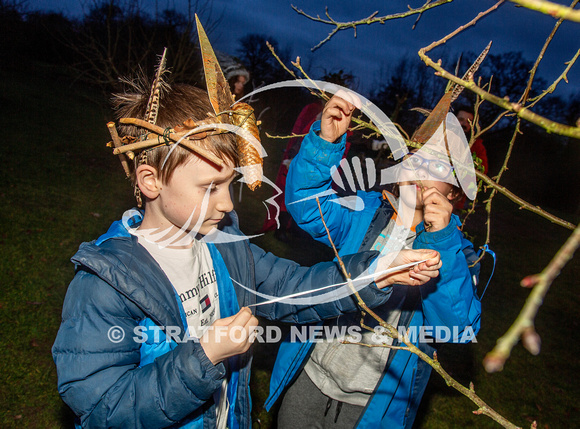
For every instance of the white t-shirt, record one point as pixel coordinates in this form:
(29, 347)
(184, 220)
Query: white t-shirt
(192, 275)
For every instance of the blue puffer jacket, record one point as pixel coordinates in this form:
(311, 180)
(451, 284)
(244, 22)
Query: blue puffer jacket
(110, 379)
(449, 301)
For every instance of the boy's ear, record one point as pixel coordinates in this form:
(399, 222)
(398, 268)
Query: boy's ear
(148, 181)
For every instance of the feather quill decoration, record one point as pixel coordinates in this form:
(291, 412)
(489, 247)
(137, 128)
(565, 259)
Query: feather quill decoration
(438, 114)
(456, 89)
(154, 97)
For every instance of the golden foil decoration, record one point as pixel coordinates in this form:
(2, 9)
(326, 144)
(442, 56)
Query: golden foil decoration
(239, 114)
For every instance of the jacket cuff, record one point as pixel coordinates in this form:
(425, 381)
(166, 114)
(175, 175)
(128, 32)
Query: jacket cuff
(200, 365)
(214, 371)
(323, 147)
(427, 237)
(366, 260)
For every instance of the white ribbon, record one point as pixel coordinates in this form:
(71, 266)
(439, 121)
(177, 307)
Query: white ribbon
(306, 292)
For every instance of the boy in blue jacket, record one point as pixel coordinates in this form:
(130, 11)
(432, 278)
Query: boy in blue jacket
(338, 385)
(155, 327)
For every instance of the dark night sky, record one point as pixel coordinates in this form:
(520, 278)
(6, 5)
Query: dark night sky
(377, 47)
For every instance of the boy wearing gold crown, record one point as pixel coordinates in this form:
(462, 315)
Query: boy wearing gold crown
(155, 329)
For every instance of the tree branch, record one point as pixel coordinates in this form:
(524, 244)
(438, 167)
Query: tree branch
(504, 103)
(522, 203)
(548, 8)
(524, 97)
(371, 19)
(524, 324)
(552, 87)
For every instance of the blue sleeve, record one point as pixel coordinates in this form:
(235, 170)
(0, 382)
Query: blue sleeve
(309, 175)
(101, 380)
(451, 299)
(281, 277)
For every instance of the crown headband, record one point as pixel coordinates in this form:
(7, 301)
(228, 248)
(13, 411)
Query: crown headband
(229, 117)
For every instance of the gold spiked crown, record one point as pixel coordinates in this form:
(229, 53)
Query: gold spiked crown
(229, 117)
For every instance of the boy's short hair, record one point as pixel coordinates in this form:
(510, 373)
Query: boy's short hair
(178, 103)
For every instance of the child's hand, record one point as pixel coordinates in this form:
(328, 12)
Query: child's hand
(414, 276)
(337, 114)
(437, 210)
(229, 336)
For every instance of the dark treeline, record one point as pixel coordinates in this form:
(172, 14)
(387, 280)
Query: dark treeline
(115, 38)
(410, 85)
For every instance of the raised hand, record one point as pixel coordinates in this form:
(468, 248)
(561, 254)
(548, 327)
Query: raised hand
(337, 114)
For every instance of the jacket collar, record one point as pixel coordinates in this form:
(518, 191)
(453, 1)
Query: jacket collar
(119, 260)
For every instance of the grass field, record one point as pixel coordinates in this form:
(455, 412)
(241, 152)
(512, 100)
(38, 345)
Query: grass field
(62, 186)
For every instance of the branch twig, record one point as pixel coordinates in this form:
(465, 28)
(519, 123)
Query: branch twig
(520, 110)
(522, 203)
(548, 8)
(524, 97)
(504, 103)
(371, 19)
(494, 361)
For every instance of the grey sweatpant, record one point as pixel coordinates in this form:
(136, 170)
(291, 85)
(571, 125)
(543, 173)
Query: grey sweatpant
(305, 406)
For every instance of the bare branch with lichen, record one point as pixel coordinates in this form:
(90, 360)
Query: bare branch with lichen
(517, 131)
(517, 108)
(552, 87)
(523, 326)
(497, 188)
(291, 136)
(524, 204)
(371, 19)
(553, 9)
(521, 111)
(525, 95)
